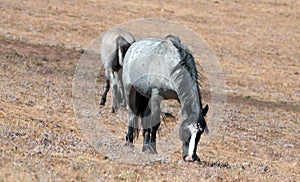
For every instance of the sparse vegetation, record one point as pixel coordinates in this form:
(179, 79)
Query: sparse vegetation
(258, 46)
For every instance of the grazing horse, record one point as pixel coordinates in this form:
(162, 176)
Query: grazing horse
(114, 44)
(154, 70)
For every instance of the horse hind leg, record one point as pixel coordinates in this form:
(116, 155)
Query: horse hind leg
(143, 111)
(146, 130)
(114, 96)
(110, 82)
(153, 122)
(120, 90)
(103, 99)
(132, 128)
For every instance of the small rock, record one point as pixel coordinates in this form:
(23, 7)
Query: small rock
(180, 162)
(245, 165)
(288, 145)
(44, 58)
(266, 168)
(30, 103)
(20, 133)
(11, 98)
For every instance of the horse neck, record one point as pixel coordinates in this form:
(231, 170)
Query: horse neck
(189, 97)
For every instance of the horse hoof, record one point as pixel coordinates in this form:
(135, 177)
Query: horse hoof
(129, 144)
(196, 158)
(188, 159)
(113, 110)
(148, 148)
(191, 159)
(122, 105)
(103, 100)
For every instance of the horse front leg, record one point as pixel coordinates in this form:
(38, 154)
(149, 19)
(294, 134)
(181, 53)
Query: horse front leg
(146, 135)
(153, 138)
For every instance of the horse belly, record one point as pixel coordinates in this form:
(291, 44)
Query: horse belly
(144, 85)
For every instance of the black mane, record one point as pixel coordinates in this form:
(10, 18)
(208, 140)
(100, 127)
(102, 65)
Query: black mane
(187, 59)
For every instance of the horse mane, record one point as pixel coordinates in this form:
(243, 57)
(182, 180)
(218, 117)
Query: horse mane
(188, 62)
(187, 59)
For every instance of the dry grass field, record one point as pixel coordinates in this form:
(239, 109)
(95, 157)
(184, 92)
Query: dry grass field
(257, 43)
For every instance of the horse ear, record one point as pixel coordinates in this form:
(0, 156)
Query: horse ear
(204, 110)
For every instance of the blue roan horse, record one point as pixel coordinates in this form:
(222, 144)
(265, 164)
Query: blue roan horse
(153, 70)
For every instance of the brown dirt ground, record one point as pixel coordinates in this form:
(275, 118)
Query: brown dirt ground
(258, 46)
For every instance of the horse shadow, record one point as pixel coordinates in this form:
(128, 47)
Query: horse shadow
(217, 164)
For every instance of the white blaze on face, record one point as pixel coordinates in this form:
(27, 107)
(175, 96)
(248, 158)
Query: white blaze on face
(192, 143)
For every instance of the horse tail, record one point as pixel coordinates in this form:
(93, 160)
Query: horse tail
(122, 46)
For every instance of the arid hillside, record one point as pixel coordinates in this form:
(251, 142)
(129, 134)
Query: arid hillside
(256, 42)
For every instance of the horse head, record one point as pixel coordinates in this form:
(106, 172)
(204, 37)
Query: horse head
(190, 136)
